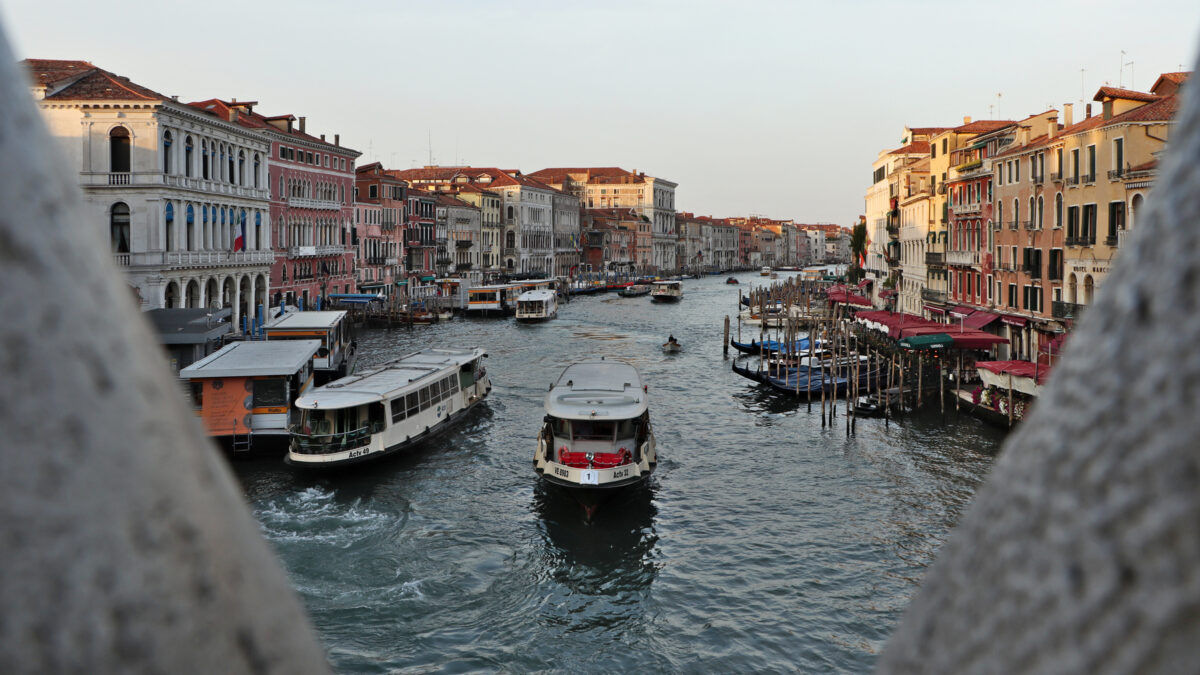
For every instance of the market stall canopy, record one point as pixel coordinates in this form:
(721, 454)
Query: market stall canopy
(979, 319)
(1027, 377)
(963, 339)
(931, 341)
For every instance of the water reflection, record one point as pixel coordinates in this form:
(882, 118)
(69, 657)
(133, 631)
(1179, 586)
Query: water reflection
(614, 550)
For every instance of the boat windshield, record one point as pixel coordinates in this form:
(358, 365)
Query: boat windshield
(595, 430)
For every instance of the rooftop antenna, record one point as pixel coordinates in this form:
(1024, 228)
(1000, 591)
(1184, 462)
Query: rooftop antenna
(1121, 75)
(998, 95)
(1081, 72)
(1131, 85)
(430, 135)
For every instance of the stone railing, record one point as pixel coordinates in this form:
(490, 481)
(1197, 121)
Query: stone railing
(318, 204)
(962, 258)
(217, 258)
(313, 251)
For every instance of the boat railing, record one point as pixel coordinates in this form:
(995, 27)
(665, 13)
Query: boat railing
(308, 443)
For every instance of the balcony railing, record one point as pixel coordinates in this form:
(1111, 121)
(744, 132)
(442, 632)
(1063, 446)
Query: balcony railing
(962, 258)
(1111, 240)
(1056, 176)
(1066, 310)
(313, 251)
(1121, 236)
(509, 250)
(937, 259)
(1027, 224)
(320, 204)
(1012, 224)
(217, 258)
(157, 178)
(121, 259)
(462, 267)
(464, 243)
(1037, 179)
(930, 295)
(375, 260)
(1072, 180)
(942, 189)
(1116, 174)
(1080, 241)
(1089, 179)
(964, 209)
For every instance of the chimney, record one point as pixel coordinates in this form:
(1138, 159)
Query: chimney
(322, 138)
(1087, 112)
(967, 119)
(337, 140)
(233, 114)
(1068, 114)
(302, 121)
(1022, 135)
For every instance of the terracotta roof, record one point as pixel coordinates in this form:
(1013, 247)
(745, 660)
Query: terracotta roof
(447, 200)
(928, 131)
(982, 126)
(82, 81)
(597, 174)
(1161, 110)
(917, 148)
(1127, 94)
(249, 119)
(1144, 167)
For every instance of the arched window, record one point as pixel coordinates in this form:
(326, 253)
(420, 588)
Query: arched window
(118, 150)
(204, 159)
(257, 165)
(166, 151)
(189, 217)
(241, 168)
(118, 226)
(170, 217)
(230, 175)
(1041, 204)
(1032, 213)
(1058, 209)
(510, 240)
(187, 156)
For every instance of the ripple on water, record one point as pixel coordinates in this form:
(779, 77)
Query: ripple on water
(764, 542)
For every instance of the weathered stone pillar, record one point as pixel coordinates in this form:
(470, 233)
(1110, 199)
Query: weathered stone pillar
(1081, 553)
(125, 543)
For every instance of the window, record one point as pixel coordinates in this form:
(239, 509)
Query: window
(1058, 210)
(1119, 155)
(257, 166)
(1054, 273)
(118, 220)
(1087, 227)
(1072, 222)
(372, 192)
(424, 397)
(1091, 163)
(204, 159)
(944, 145)
(1116, 221)
(411, 404)
(270, 393)
(166, 151)
(1040, 209)
(1017, 168)
(118, 150)
(397, 409)
(187, 156)
(1012, 295)
(1075, 165)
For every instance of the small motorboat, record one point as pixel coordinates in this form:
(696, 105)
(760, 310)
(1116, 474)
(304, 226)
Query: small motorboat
(634, 291)
(731, 280)
(672, 347)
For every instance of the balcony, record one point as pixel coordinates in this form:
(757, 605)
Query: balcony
(121, 259)
(930, 295)
(1089, 179)
(893, 230)
(1012, 225)
(1037, 179)
(97, 179)
(935, 259)
(463, 243)
(965, 209)
(1056, 176)
(1027, 224)
(1116, 174)
(1111, 241)
(462, 267)
(1121, 237)
(941, 189)
(391, 261)
(375, 260)
(318, 204)
(315, 251)
(1080, 241)
(388, 223)
(443, 262)
(509, 250)
(1066, 310)
(962, 258)
(1072, 180)
(217, 258)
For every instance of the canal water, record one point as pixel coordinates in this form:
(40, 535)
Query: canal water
(763, 542)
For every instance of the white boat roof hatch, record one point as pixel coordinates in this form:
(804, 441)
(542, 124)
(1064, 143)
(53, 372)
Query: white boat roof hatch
(254, 359)
(588, 390)
(539, 294)
(408, 373)
(306, 320)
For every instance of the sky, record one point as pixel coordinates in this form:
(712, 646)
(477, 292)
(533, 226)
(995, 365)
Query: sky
(754, 108)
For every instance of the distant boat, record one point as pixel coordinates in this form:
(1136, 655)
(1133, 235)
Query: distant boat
(596, 435)
(537, 305)
(765, 272)
(667, 291)
(634, 291)
(731, 280)
(672, 347)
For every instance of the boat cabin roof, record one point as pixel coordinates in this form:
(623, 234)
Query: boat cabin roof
(669, 283)
(307, 320)
(537, 294)
(253, 359)
(491, 289)
(405, 374)
(591, 390)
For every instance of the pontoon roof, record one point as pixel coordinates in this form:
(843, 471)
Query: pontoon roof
(405, 374)
(306, 320)
(609, 390)
(538, 294)
(254, 359)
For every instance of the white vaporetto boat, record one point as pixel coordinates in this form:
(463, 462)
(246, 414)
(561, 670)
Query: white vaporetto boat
(596, 435)
(538, 305)
(666, 291)
(388, 409)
